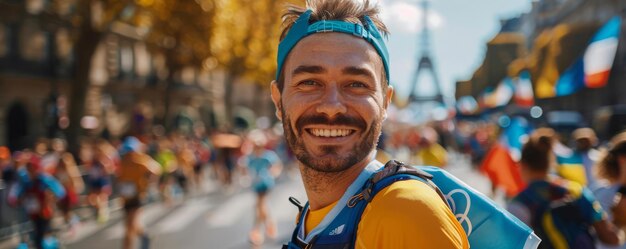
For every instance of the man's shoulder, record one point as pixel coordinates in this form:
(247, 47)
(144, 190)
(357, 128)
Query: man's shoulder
(408, 195)
(410, 212)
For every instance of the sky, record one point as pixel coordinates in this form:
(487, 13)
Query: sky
(459, 32)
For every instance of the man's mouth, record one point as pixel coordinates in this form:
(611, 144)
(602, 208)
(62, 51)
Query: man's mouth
(330, 132)
(338, 130)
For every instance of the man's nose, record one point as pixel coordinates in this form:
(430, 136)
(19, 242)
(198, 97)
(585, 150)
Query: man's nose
(331, 103)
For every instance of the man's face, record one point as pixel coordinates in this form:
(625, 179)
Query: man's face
(332, 104)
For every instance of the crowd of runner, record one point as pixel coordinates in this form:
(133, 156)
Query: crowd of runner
(45, 181)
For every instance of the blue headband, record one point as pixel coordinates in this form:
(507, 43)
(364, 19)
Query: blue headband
(301, 29)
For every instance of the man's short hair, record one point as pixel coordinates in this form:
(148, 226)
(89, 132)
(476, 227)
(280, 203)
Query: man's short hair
(353, 11)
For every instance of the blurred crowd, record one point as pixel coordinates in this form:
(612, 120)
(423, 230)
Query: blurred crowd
(46, 181)
(566, 185)
(572, 196)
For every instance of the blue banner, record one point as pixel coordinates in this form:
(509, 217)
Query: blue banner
(572, 80)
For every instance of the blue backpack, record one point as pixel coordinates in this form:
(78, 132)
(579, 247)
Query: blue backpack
(561, 222)
(486, 225)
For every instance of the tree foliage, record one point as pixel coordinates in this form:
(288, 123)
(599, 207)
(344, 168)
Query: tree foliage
(181, 29)
(245, 42)
(240, 35)
(246, 37)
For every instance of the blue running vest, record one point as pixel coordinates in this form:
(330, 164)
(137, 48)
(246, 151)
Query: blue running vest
(486, 225)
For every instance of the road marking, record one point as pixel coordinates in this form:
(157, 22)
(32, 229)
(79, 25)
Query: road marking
(86, 229)
(150, 213)
(229, 213)
(184, 215)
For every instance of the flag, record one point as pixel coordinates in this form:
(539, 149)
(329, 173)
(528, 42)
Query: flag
(484, 100)
(599, 56)
(569, 164)
(524, 90)
(515, 136)
(504, 92)
(501, 96)
(571, 168)
(500, 163)
(502, 170)
(571, 80)
(591, 70)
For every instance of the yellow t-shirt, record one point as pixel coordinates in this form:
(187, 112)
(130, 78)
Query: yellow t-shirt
(406, 214)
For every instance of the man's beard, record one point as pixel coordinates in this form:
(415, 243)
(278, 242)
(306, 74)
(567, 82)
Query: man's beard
(333, 161)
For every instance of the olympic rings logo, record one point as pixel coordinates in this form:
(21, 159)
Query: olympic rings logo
(461, 216)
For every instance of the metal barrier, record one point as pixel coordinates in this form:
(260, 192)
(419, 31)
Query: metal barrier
(13, 221)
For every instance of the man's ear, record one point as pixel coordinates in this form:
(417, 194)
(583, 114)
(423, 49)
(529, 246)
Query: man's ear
(388, 97)
(276, 95)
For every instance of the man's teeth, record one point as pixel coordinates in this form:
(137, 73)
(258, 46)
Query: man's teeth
(331, 132)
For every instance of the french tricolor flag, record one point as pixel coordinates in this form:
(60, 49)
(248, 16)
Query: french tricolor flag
(524, 95)
(600, 53)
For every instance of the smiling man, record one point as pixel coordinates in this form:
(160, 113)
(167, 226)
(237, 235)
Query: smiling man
(332, 92)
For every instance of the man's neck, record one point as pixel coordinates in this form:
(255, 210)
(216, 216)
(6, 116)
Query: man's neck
(323, 188)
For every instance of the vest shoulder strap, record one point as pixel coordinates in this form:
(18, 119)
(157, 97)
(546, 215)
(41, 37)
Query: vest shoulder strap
(394, 171)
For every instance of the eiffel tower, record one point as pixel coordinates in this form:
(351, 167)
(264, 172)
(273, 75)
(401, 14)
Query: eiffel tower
(425, 64)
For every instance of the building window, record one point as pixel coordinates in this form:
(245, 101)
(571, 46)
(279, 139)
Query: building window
(112, 51)
(33, 42)
(188, 76)
(63, 8)
(35, 6)
(64, 45)
(142, 60)
(4, 41)
(126, 59)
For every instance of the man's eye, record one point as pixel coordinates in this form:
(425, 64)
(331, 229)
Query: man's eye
(308, 83)
(357, 84)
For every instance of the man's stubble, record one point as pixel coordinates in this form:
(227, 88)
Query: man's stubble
(339, 162)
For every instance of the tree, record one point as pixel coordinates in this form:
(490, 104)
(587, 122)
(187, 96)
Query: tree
(181, 31)
(89, 21)
(241, 35)
(92, 20)
(180, 28)
(245, 42)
